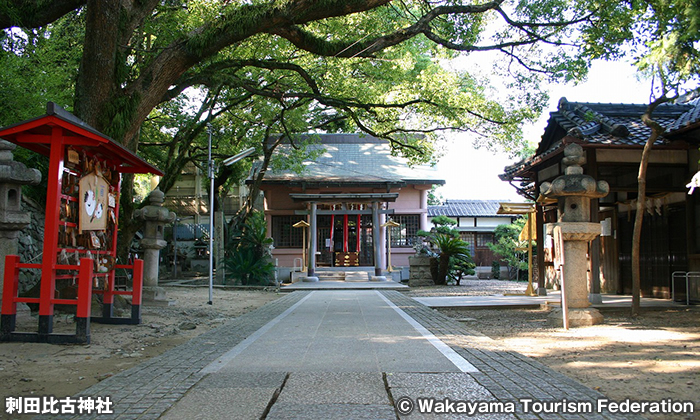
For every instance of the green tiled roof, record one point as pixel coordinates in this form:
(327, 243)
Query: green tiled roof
(352, 158)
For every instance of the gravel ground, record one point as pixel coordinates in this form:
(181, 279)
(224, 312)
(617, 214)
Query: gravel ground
(471, 287)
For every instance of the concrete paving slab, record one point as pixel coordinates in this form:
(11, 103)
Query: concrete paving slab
(453, 386)
(345, 285)
(348, 331)
(238, 395)
(222, 403)
(499, 301)
(236, 380)
(553, 298)
(320, 388)
(331, 411)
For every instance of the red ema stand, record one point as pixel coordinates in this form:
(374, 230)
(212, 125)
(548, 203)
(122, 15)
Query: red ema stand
(75, 150)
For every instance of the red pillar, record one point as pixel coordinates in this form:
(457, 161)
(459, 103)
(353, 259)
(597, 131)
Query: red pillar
(52, 216)
(9, 291)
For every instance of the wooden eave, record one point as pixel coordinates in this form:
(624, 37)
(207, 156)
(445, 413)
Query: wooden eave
(540, 160)
(37, 135)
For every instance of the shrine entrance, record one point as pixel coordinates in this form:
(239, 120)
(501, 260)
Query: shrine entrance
(345, 240)
(355, 219)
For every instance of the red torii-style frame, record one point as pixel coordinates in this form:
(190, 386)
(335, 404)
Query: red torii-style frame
(52, 135)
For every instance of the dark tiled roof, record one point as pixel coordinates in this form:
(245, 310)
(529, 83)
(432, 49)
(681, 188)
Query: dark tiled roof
(467, 208)
(603, 124)
(688, 119)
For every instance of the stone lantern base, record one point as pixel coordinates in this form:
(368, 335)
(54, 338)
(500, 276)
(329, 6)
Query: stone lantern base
(156, 296)
(578, 317)
(419, 270)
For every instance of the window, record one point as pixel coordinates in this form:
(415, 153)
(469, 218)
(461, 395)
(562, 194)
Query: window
(284, 234)
(469, 238)
(482, 239)
(404, 236)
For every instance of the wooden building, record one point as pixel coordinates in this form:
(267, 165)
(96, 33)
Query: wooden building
(613, 136)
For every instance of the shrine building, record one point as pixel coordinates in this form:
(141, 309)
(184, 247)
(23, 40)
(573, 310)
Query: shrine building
(338, 207)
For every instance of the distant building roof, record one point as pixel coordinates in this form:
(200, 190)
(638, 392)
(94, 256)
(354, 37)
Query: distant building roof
(354, 159)
(690, 119)
(467, 208)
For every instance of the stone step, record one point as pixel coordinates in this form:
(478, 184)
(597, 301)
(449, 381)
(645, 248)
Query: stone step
(356, 276)
(330, 275)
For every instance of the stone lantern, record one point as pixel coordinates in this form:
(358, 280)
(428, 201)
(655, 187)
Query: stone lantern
(154, 216)
(574, 192)
(12, 218)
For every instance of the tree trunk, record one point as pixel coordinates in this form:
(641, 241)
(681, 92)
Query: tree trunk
(97, 75)
(656, 131)
(127, 225)
(638, 219)
(443, 268)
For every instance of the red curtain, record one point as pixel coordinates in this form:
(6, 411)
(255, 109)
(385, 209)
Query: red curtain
(359, 219)
(345, 233)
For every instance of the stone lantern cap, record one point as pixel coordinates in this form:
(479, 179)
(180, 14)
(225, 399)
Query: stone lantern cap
(12, 172)
(574, 183)
(155, 212)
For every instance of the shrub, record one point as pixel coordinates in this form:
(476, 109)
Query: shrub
(248, 258)
(496, 270)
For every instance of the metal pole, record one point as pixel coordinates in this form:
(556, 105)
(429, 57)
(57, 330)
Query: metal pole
(211, 220)
(388, 249)
(529, 291)
(303, 246)
(175, 249)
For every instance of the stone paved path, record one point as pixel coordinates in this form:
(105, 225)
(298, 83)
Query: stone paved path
(338, 354)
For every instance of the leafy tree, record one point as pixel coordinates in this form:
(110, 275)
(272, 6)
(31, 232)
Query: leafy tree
(370, 65)
(434, 196)
(443, 224)
(507, 244)
(460, 266)
(36, 67)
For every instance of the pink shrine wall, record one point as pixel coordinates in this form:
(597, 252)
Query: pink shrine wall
(412, 199)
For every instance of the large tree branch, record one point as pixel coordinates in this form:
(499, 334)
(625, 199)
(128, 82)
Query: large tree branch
(366, 48)
(235, 25)
(34, 13)
(216, 70)
(136, 11)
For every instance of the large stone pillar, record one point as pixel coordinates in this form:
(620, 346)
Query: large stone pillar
(313, 245)
(572, 232)
(12, 219)
(424, 222)
(377, 243)
(383, 240)
(154, 216)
